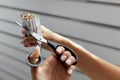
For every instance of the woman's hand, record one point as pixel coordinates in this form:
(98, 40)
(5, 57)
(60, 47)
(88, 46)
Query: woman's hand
(28, 41)
(93, 66)
(53, 68)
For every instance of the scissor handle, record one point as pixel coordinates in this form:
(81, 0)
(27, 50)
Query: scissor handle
(33, 64)
(55, 46)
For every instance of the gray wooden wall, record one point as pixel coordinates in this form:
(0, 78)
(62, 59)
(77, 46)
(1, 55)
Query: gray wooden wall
(94, 24)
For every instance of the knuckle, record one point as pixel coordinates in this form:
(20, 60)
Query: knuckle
(63, 57)
(60, 50)
(72, 58)
(67, 53)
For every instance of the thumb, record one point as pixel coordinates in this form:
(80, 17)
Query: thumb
(35, 54)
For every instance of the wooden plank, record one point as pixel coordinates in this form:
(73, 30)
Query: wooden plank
(107, 1)
(5, 76)
(12, 53)
(78, 76)
(16, 57)
(6, 63)
(6, 39)
(10, 28)
(70, 10)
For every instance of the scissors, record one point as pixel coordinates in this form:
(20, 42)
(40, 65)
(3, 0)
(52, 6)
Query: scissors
(41, 40)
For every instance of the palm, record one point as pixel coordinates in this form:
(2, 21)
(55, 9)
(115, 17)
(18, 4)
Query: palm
(51, 69)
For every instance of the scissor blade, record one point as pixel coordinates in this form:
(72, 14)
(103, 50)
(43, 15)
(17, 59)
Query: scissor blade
(18, 23)
(38, 37)
(35, 35)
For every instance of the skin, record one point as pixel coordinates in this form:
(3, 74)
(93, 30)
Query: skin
(52, 68)
(98, 69)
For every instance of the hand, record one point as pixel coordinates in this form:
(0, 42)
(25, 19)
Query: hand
(53, 68)
(96, 65)
(28, 41)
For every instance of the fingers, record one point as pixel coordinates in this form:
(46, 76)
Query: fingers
(70, 60)
(60, 50)
(70, 70)
(67, 59)
(66, 56)
(28, 41)
(35, 54)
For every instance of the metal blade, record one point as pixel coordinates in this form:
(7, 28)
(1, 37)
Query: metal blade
(35, 35)
(38, 37)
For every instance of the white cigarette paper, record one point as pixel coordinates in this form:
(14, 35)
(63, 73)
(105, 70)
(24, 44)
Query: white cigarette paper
(31, 21)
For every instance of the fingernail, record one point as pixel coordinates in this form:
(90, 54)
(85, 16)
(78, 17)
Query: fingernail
(69, 61)
(70, 71)
(59, 50)
(63, 58)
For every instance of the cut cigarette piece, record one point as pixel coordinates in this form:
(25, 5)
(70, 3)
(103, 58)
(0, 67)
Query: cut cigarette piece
(31, 21)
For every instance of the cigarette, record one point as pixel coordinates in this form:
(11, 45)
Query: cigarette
(31, 21)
